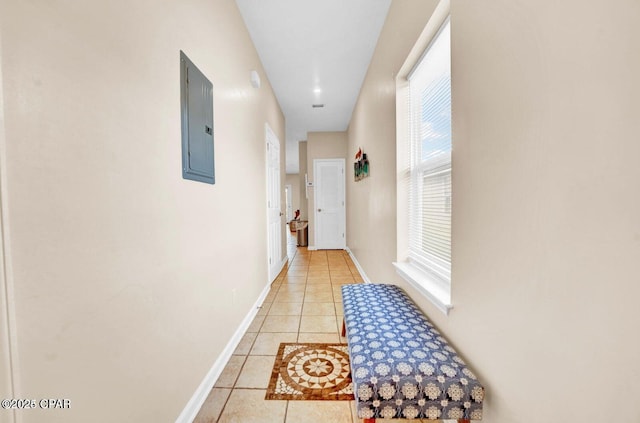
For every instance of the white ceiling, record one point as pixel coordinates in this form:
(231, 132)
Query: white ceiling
(308, 45)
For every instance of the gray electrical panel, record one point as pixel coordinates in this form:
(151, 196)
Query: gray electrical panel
(196, 110)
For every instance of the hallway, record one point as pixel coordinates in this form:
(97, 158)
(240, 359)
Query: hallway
(124, 284)
(304, 305)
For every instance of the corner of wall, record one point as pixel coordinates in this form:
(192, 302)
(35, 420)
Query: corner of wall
(8, 351)
(192, 408)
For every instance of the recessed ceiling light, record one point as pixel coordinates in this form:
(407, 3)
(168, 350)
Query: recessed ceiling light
(317, 90)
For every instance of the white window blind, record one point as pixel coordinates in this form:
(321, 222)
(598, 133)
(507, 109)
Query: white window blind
(430, 170)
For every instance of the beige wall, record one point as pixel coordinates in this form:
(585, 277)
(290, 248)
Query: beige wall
(322, 145)
(546, 239)
(6, 377)
(129, 281)
(371, 202)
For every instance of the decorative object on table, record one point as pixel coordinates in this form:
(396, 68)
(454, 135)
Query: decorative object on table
(293, 224)
(311, 372)
(361, 166)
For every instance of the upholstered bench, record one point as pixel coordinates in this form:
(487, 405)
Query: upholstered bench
(402, 368)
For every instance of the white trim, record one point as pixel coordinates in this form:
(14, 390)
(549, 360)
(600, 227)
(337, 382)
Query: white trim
(431, 29)
(365, 278)
(441, 6)
(426, 285)
(192, 408)
(288, 192)
(271, 137)
(422, 281)
(312, 248)
(282, 264)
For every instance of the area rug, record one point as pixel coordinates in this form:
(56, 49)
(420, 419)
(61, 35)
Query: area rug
(311, 372)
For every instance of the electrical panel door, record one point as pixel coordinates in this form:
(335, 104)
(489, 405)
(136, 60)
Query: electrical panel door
(196, 93)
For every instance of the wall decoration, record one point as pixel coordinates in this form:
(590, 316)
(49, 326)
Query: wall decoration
(361, 166)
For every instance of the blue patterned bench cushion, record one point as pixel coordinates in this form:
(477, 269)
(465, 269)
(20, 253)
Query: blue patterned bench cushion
(400, 364)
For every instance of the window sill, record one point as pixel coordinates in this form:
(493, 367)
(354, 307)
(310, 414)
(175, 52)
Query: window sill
(426, 285)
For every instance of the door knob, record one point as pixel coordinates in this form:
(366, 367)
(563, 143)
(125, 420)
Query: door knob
(319, 210)
(281, 213)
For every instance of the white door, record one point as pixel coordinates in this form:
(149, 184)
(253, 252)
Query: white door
(288, 202)
(329, 199)
(274, 214)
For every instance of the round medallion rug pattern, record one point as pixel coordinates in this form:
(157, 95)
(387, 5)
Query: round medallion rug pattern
(311, 372)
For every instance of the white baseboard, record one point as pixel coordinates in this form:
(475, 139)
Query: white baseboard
(365, 278)
(282, 264)
(311, 248)
(195, 403)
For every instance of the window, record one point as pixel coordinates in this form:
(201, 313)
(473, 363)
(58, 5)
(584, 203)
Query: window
(430, 179)
(427, 264)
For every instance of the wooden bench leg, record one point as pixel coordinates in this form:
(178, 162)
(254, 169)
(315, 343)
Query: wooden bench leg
(369, 421)
(344, 333)
(464, 421)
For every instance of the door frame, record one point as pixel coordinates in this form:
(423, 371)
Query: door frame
(271, 136)
(343, 215)
(288, 202)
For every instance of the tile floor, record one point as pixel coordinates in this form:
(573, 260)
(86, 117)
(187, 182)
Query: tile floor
(304, 305)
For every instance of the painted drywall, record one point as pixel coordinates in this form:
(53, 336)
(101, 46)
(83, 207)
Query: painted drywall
(7, 330)
(322, 145)
(546, 240)
(371, 202)
(129, 281)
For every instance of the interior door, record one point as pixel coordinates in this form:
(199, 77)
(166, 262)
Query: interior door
(288, 202)
(274, 213)
(329, 197)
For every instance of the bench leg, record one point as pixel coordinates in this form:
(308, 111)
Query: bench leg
(464, 421)
(344, 328)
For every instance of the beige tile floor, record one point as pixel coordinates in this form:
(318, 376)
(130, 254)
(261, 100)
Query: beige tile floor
(304, 305)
